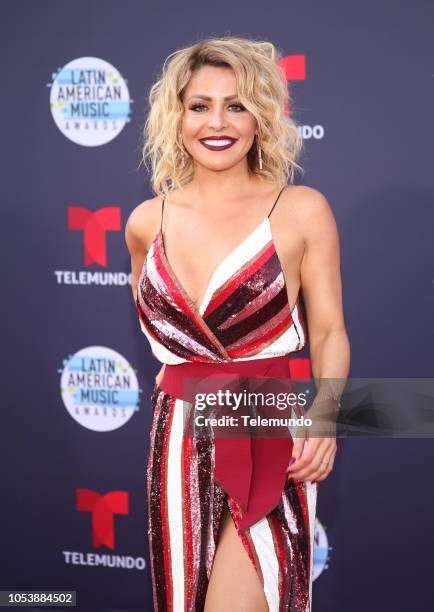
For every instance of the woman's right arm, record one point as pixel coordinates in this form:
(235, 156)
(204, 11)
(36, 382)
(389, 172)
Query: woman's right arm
(136, 241)
(138, 224)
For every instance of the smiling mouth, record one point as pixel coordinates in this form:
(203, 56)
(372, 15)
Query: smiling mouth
(217, 144)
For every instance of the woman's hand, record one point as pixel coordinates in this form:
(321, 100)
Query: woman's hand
(160, 375)
(313, 458)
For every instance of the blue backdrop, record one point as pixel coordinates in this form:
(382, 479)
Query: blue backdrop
(79, 372)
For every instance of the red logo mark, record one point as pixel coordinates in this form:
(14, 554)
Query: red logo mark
(294, 67)
(103, 509)
(94, 225)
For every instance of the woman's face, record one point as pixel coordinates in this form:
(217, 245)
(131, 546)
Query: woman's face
(208, 115)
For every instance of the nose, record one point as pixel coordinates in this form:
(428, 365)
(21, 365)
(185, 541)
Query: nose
(217, 118)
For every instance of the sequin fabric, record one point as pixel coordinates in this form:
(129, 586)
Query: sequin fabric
(245, 314)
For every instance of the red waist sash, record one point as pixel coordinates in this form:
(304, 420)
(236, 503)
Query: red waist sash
(252, 470)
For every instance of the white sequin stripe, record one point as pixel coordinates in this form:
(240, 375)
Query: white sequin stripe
(311, 495)
(174, 506)
(298, 325)
(263, 541)
(236, 259)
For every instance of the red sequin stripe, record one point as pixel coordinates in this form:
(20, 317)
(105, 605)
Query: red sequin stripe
(246, 539)
(187, 523)
(170, 282)
(302, 496)
(255, 346)
(164, 509)
(279, 547)
(156, 473)
(152, 476)
(249, 268)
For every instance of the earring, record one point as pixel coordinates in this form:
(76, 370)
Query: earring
(259, 153)
(183, 155)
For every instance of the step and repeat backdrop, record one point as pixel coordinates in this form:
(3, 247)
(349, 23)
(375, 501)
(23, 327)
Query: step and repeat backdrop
(79, 372)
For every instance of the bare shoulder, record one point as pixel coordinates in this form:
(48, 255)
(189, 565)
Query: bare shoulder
(306, 201)
(142, 225)
(310, 208)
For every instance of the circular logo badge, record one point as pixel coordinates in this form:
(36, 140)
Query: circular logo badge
(320, 550)
(99, 388)
(89, 101)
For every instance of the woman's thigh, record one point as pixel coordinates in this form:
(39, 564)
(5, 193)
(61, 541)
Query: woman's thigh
(234, 583)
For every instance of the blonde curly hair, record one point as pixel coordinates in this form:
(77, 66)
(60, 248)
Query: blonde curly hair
(262, 89)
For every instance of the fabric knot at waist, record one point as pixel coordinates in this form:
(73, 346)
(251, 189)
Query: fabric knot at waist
(250, 464)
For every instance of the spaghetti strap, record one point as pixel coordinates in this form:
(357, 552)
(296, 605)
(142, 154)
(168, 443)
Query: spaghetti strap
(276, 201)
(162, 210)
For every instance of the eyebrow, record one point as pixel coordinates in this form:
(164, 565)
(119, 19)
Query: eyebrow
(209, 98)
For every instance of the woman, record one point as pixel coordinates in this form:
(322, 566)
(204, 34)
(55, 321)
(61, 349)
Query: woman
(217, 281)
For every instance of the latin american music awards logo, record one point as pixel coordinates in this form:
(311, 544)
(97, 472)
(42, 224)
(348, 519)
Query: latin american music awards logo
(320, 549)
(99, 388)
(89, 101)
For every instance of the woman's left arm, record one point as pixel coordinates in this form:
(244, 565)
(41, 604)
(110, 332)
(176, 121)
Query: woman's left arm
(329, 345)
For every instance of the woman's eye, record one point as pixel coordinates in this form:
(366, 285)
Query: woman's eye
(197, 106)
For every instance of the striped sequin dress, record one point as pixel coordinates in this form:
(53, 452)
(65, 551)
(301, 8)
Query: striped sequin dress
(244, 316)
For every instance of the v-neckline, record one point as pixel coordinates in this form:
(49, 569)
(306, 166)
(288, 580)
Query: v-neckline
(201, 307)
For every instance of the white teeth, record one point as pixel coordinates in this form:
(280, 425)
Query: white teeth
(217, 143)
